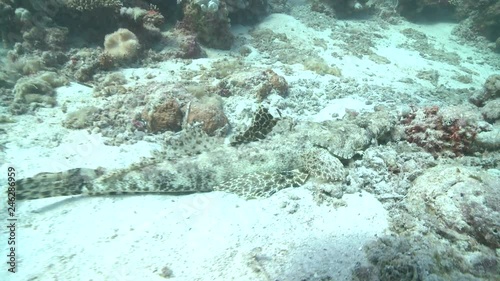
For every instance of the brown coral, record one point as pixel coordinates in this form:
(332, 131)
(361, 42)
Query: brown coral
(209, 113)
(166, 117)
(439, 132)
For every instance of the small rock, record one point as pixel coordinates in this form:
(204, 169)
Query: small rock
(489, 140)
(209, 113)
(166, 117)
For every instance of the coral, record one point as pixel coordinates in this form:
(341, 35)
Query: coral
(387, 171)
(486, 21)
(45, 38)
(27, 65)
(22, 15)
(8, 78)
(56, 37)
(166, 117)
(152, 19)
(145, 23)
(482, 14)
(128, 112)
(6, 21)
(85, 63)
(13, 22)
(446, 228)
(389, 254)
(114, 79)
(210, 114)
(408, 258)
(36, 91)
(439, 132)
(136, 14)
(106, 61)
(91, 5)
(81, 118)
(98, 17)
(208, 5)
(31, 23)
(121, 44)
(210, 26)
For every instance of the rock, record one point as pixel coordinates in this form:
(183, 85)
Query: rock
(210, 114)
(491, 110)
(81, 118)
(166, 117)
(489, 140)
(491, 90)
(459, 202)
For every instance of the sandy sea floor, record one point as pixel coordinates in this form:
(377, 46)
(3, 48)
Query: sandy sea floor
(216, 235)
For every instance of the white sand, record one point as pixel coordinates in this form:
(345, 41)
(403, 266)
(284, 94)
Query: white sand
(213, 236)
